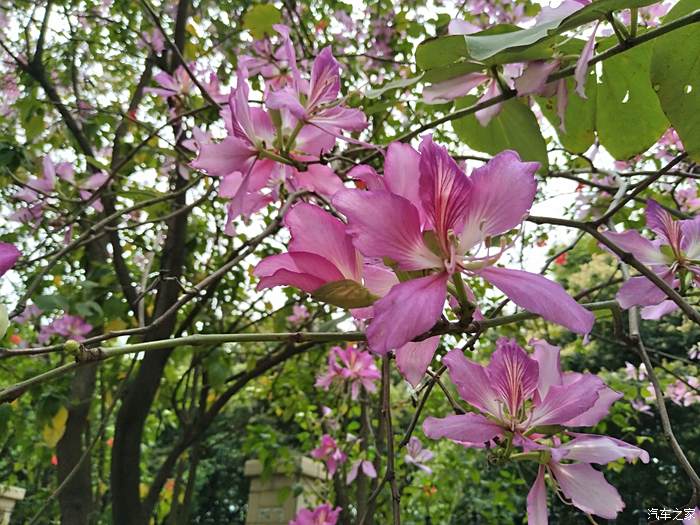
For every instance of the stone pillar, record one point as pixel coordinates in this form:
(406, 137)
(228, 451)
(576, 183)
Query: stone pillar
(275, 500)
(8, 497)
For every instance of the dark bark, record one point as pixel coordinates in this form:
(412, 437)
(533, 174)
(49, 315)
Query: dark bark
(75, 501)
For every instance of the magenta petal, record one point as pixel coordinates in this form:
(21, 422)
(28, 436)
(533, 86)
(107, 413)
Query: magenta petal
(313, 141)
(502, 192)
(539, 295)
(317, 231)
(639, 291)
(587, 489)
(644, 250)
(444, 189)
(582, 64)
(690, 243)
(463, 428)
(402, 171)
(397, 316)
(657, 311)
(320, 179)
(662, 223)
(286, 99)
(513, 374)
(565, 402)
(378, 279)
(229, 155)
(413, 358)
(386, 225)
(325, 79)
(589, 448)
(306, 271)
(537, 501)
(472, 382)
(8, 256)
(368, 175)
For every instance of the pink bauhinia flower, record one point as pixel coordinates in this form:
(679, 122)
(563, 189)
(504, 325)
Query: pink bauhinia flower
(417, 455)
(436, 226)
(299, 315)
(66, 326)
(353, 366)
(522, 401)
(674, 256)
(361, 464)
(322, 515)
(329, 452)
(316, 102)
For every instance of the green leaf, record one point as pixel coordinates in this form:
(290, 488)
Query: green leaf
(4, 321)
(579, 118)
(48, 303)
(394, 84)
(345, 294)
(629, 118)
(515, 127)
(259, 20)
(675, 75)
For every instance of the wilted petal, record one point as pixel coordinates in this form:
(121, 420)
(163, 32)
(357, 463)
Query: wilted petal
(472, 382)
(8, 256)
(444, 189)
(657, 311)
(566, 402)
(513, 374)
(413, 358)
(386, 225)
(587, 489)
(448, 90)
(537, 501)
(589, 448)
(306, 271)
(463, 428)
(317, 231)
(502, 192)
(644, 250)
(534, 78)
(562, 103)
(539, 295)
(485, 115)
(581, 70)
(397, 320)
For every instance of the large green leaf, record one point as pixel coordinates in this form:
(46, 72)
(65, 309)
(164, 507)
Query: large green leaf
(629, 118)
(506, 43)
(515, 127)
(259, 20)
(578, 132)
(675, 75)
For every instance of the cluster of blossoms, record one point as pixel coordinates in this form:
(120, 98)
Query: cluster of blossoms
(67, 327)
(350, 366)
(410, 237)
(282, 145)
(528, 402)
(322, 515)
(674, 256)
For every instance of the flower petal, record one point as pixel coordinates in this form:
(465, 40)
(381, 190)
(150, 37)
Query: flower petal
(413, 358)
(663, 224)
(463, 428)
(472, 382)
(644, 250)
(306, 271)
(513, 374)
(565, 402)
(397, 320)
(325, 79)
(229, 155)
(386, 225)
(657, 311)
(539, 295)
(502, 192)
(547, 357)
(534, 78)
(485, 115)
(448, 90)
(317, 231)
(402, 171)
(600, 409)
(537, 501)
(691, 238)
(444, 189)
(8, 256)
(587, 489)
(639, 291)
(589, 448)
(581, 69)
